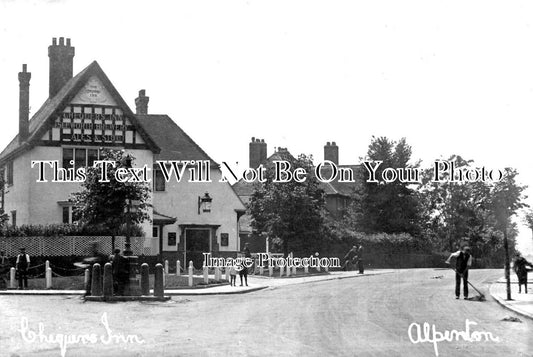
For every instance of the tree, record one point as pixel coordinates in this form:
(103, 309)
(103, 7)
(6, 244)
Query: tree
(528, 219)
(292, 214)
(389, 207)
(507, 198)
(109, 204)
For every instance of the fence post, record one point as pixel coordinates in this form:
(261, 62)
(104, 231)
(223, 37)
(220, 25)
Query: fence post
(280, 271)
(326, 268)
(166, 266)
(206, 275)
(158, 281)
(108, 280)
(86, 279)
(191, 270)
(145, 279)
(217, 274)
(178, 268)
(12, 274)
(48, 278)
(261, 270)
(294, 270)
(306, 269)
(270, 270)
(288, 270)
(226, 270)
(46, 265)
(96, 282)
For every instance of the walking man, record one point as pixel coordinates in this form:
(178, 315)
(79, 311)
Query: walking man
(462, 263)
(23, 262)
(360, 259)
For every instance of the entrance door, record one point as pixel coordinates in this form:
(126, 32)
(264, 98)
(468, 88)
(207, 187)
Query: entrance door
(196, 243)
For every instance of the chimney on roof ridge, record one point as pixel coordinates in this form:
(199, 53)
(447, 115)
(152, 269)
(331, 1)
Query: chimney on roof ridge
(24, 103)
(258, 152)
(141, 103)
(61, 64)
(331, 152)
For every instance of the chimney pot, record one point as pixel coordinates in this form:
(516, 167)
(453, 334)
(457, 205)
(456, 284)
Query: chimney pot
(54, 41)
(68, 42)
(61, 41)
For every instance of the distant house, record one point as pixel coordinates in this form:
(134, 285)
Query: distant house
(337, 194)
(82, 115)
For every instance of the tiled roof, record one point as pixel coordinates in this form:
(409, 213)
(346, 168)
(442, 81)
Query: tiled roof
(175, 144)
(38, 123)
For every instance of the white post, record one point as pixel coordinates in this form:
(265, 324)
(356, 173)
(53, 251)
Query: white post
(46, 265)
(306, 269)
(190, 272)
(261, 270)
(270, 270)
(288, 271)
(206, 275)
(178, 268)
(48, 278)
(326, 268)
(294, 270)
(86, 280)
(226, 269)
(318, 268)
(12, 274)
(166, 266)
(280, 271)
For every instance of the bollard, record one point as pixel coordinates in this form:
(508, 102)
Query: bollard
(86, 278)
(326, 268)
(166, 266)
(261, 270)
(12, 274)
(206, 275)
(178, 268)
(48, 278)
(96, 282)
(294, 270)
(306, 269)
(318, 268)
(158, 281)
(288, 270)
(226, 269)
(191, 270)
(108, 280)
(280, 271)
(46, 265)
(270, 270)
(217, 274)
(145, 279)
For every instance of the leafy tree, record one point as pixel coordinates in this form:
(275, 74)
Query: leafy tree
(506, 200)
(528, 219)
(292, 214)
(391, 207)
(106, 203)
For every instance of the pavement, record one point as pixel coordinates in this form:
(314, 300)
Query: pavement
(521, 303)
(255, 283)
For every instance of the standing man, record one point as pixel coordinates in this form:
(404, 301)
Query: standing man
(360, 259)
(23, 262)
(120, 272)
(4, 270)
(462, 263)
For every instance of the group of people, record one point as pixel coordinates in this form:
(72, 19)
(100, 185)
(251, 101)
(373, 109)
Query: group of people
(241, 269)
(354, 257)
(463, 261)
(21, 265)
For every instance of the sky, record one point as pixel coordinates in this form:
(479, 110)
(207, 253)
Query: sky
(453, 77)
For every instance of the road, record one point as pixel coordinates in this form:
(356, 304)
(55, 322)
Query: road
(363, 316)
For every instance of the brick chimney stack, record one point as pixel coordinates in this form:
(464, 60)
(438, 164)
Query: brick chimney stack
(24, 103)
(258, 152)
(331, 152)
(61, 64)
(141, 102)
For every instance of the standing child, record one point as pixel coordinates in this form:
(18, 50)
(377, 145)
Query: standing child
(233, 275)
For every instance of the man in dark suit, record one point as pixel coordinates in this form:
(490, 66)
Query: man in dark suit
(462, 263)
(120, 272)
(23, 262)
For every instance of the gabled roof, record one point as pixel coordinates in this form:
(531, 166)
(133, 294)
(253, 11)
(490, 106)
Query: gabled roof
(44, 117)
(175, 144)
